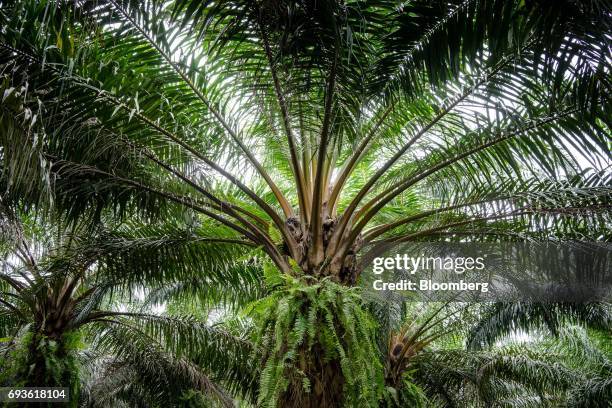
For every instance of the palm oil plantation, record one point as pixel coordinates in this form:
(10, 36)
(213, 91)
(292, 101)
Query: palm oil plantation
(190, 191)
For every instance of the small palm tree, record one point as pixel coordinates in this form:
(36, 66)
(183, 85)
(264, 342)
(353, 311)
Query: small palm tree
(310, 132)
(61, 305)
(425, 346)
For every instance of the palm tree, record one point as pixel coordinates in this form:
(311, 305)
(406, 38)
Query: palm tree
(64, 308)
(309, 133)
(425, 346)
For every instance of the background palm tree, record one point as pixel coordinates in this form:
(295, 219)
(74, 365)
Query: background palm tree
(67, 314)
(424, 345)
(308, 133)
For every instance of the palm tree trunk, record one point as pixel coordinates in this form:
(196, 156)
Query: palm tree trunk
(326, 379)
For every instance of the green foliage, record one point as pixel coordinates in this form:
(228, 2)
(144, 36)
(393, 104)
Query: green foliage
(502, 318)
(39, 361)
(408, 394)
(222, 131)
(192, 399)
(59, 289)
(150, 366)
(305, 323)
(583, 352)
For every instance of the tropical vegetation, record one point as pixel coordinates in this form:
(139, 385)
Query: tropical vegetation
(190, 191)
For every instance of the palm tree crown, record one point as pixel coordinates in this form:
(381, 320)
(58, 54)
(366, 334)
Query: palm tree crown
(309, 134)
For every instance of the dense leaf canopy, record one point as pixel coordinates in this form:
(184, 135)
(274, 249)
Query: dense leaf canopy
(216, 154)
